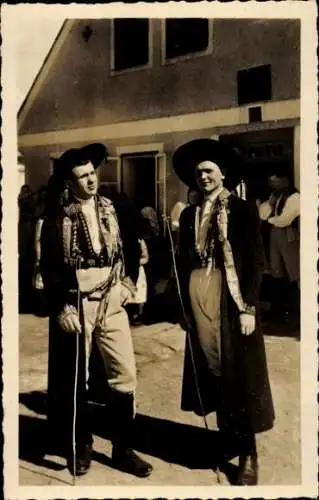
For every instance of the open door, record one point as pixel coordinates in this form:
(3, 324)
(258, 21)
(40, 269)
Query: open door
(138, 179)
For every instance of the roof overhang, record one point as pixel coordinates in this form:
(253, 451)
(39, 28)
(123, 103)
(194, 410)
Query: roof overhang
(44, 71)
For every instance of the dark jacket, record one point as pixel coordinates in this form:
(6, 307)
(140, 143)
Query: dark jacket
(243, 398)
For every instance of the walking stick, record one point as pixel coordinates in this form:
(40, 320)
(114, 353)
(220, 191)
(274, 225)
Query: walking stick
(188, 334)
(76, 376)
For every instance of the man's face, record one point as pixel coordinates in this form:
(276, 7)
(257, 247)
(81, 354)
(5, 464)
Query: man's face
(84, 181)
(193, 197)
(277, 184)
(208, 176)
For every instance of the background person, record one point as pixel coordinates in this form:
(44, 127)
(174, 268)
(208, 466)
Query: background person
(175, 216)
(281, 212)
(156, 268)
(193, 197)
(135, 307)
(26, 222)
(39, 299)
(49, 199)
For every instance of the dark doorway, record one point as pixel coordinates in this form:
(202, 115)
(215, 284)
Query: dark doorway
(263, 152)
(139, 179)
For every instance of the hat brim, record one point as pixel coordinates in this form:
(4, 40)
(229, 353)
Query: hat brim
(190, 154)
(95, 153)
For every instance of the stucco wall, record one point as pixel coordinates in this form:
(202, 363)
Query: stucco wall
(37, 160)
(80, 91)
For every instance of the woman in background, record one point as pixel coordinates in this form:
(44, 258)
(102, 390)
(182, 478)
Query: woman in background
(26, 203)
(136, 307)
(49, 197)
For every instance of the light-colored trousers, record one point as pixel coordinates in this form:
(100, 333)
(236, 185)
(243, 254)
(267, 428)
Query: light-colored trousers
(284, 253)
(114, 341)
(205, 296)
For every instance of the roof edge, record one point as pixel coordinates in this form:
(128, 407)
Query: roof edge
(43, 71)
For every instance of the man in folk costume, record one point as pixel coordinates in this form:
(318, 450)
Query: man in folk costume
(221, 263)
(282, 212)
(87, 283)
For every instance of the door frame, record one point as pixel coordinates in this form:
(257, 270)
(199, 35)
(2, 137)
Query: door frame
(153, 148)
(131, 156)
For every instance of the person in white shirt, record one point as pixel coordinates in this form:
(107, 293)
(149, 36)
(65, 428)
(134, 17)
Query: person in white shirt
(282, 212)
(193, 198)
(136, 306)
(175, 215)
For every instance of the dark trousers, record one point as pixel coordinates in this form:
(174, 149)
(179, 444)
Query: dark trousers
(118, 415)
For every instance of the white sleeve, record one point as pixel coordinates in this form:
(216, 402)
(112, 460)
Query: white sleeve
(37, 238)
(290, 211)
(264, 210)
(38, 230)
(176, 213)
(175, 225)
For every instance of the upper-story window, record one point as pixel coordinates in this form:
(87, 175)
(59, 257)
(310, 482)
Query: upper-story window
(130, 42)
(186, 37)
(254, 84)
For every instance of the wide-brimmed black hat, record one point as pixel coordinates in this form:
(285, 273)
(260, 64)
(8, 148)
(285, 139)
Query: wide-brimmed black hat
(190, 154)
(96, 153)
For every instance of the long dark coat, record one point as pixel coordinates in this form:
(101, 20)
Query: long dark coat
(61, 288)
(243, 397)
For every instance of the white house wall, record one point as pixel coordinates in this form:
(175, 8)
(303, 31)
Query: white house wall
(79, 100)
(272, 112)
(79, 90)
(37, 155)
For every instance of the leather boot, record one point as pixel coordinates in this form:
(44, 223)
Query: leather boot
(82, 460)
(123, 456)
(126, 460)
(84, 442)
(248, 470)
(248, 463)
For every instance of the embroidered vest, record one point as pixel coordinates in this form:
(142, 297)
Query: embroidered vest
(77, 244)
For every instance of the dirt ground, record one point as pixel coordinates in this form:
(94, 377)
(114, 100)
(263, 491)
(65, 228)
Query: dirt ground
(172, 440)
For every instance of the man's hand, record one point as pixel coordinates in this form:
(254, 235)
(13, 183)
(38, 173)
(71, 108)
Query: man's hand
(247, 323)
(69, 320)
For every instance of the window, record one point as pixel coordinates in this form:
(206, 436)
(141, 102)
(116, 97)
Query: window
(255, 114)
(254, 84)
(185, 36)
(130, 43)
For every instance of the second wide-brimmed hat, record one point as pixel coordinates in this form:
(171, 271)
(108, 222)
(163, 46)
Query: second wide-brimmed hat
(190, 154)
(95, 153)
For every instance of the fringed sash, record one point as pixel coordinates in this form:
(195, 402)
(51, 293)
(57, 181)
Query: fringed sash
(231, 273)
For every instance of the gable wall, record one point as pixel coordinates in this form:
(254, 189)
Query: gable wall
(80, 91)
